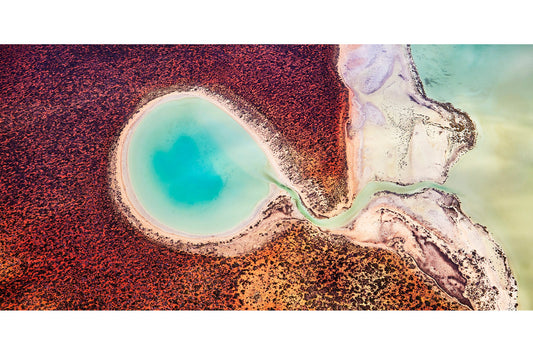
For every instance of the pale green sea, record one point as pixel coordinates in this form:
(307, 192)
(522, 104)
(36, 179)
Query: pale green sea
(494, 181)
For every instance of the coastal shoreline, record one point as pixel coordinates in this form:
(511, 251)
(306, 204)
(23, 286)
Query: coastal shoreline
(417, 152)
(277, 212)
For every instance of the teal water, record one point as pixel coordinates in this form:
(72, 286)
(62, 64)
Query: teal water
(194, 168)
(494, 85)
(361, 200)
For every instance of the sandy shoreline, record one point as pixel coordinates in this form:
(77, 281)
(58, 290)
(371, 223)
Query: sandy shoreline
(124, 195)
(417, 141)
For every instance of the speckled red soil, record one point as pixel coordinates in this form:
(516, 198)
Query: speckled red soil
(63, 245)
(307, 270)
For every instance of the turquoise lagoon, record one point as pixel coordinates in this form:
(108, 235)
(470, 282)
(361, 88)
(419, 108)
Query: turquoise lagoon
(494, 181)
(194, 169)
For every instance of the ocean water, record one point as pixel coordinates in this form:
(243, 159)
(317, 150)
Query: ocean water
(494, 181)
(194, 169)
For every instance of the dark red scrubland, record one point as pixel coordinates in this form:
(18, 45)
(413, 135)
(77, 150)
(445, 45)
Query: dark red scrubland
(63, 245)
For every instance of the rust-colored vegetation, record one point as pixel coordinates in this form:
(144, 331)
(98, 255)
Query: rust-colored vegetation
(304, 270)
(64, 245)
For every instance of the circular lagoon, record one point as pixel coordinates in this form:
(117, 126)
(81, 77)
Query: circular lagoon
(189, 168)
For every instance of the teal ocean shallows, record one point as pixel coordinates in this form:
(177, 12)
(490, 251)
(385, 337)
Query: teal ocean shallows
(194, 169)
(494, 84)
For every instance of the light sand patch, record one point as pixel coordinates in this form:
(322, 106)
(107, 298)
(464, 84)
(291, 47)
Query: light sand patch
(429, 227)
